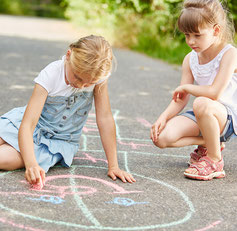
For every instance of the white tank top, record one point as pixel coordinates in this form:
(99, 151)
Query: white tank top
(204, 74)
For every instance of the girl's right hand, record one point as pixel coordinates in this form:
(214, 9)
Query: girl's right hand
(157, 128)
(34, 174)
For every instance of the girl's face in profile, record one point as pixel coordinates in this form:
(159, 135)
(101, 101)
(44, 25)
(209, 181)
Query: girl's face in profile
(203, 40)
(76, 80)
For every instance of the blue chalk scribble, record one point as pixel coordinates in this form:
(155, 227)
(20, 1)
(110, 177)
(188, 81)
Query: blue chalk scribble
(124, 201)
(51, 199)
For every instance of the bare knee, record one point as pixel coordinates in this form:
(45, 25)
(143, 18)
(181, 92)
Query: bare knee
(163, 141)
(160, 143)
(201, 106)
(10, 159)
(168, 136)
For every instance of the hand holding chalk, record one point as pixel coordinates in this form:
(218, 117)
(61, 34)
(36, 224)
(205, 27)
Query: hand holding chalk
(39, 185)
(35, 175)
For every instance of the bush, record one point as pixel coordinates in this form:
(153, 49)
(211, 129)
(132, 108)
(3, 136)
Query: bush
(41, 8)
(144, 25)
(140, 25)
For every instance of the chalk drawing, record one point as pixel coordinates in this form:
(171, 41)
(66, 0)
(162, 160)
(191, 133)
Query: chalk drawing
(91, 122)
(66, 190)
(50, 199)
(133, 145)
(144, 122)
(90, 158)
(19, 226)
(209, 226)
(60, 189)
(86, 211)
(86, 129)
(124, 201)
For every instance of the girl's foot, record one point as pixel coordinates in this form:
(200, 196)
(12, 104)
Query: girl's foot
(200, 152)
(206, 169)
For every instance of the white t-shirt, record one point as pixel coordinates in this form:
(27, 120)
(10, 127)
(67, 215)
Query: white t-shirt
(52, 78)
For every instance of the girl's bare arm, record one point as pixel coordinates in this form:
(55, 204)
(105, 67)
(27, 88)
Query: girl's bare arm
(106, 125)
(175, 106)
(228, 66)
(25, 137)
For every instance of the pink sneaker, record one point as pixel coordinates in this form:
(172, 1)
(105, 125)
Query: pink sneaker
(208, 171)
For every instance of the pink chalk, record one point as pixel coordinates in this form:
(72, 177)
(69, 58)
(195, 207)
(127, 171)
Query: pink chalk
(38, 186)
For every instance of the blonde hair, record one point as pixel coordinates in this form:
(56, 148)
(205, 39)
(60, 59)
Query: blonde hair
(198, 14)
(92, 55)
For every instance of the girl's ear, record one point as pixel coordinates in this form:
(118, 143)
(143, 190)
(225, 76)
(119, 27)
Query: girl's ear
(217, 29)
(68, 54)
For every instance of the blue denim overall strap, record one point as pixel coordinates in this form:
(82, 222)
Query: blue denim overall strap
(64, 117)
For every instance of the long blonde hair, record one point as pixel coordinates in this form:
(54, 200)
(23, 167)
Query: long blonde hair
(198, 14)
(92, 55)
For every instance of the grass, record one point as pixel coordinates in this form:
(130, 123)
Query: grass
(168, 49)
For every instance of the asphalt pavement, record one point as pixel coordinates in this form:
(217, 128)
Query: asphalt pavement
(83, 197)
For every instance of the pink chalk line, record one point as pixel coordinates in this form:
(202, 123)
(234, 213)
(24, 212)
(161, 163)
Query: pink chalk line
(209, 226)
(85, 129)
(62, 191)
(51, 189)
(5, 221)
(134, 146)
(67, 190)
(21, 193)
(88, 157)
(144, 122)
(92, 114)
(91, 122)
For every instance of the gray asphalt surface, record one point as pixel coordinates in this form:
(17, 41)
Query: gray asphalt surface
(83, 197)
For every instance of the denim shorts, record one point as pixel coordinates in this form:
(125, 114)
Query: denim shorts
(228, 131)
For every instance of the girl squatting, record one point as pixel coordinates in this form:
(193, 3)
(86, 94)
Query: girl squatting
(212, 64)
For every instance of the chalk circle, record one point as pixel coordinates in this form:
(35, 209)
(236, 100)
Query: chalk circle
(175, 190)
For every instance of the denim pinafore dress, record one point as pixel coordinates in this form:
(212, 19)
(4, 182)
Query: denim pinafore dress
(57, 133)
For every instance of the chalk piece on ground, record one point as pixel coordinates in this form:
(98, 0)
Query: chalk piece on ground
(38, 186)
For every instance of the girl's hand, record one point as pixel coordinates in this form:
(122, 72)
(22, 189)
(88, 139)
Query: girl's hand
(157, 127)
(179, 93)
(124, 176)
(34, 174)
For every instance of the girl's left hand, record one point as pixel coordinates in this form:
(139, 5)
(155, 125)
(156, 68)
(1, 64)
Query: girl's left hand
(179, 93)
(124, 176)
